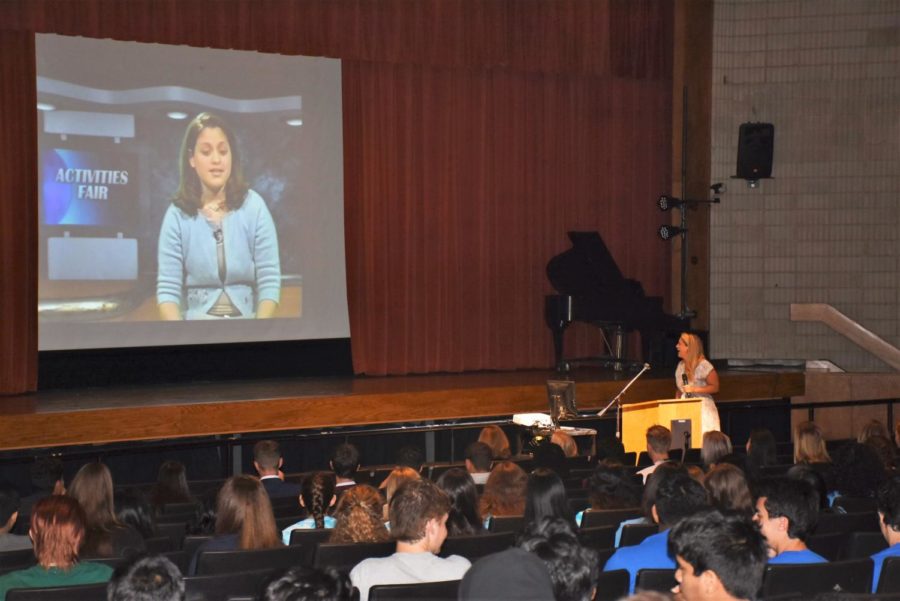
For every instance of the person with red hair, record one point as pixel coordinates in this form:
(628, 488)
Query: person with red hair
(57, 531)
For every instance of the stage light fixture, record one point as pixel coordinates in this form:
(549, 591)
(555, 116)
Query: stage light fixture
(666, 202)
(667, 232)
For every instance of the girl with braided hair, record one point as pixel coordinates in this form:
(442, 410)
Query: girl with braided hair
(316, 495)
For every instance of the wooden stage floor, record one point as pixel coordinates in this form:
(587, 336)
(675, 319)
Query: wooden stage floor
(94, 416)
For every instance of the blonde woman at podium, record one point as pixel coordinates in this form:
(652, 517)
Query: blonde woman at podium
(696, 377)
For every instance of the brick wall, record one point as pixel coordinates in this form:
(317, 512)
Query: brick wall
(826, 73)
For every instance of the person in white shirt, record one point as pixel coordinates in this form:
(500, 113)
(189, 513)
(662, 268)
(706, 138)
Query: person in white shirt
(418, 513)
(659, 439)
(478, 462)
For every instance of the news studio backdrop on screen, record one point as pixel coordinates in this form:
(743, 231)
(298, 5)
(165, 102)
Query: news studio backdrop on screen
(114, 247)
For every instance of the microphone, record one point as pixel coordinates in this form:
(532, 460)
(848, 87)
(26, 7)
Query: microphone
(218, 235)
(646, 366)
(684, 380)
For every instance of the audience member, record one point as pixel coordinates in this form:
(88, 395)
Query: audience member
(550, 456)
(359, 517)
(885, 449)
(721, 557)
(573, 568)
(57, 530)
(564, 441)
(762, 451)
(46, 479)
(889, 522)
(317, 496)
(643, 595)
(611, 448)
(478, 462)
(418, 514)
(648, 497)
(611, 486)
(511, 575)
(344, 462)
(814, 478)
(787, 511)
(9, 513)
(146, 578)
(301, 583)
(871, 428)
(809, 444)
(133, 509)
(398, 477)
(677, 496)
(171, 485)
(659, 440)
(504, 493)
(267, 461)
(857, 471)
(545, 497)
(244, 519)
(716, 445)
(459, 487)
(105, 535)
(410, 456)
(728, 490)
(494, 437)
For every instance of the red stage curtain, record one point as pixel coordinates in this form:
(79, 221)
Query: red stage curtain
(476, 134)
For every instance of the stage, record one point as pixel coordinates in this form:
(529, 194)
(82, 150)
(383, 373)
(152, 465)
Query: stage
(61, 418)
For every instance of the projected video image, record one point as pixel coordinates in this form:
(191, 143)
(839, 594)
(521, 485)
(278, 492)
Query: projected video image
(186, 185)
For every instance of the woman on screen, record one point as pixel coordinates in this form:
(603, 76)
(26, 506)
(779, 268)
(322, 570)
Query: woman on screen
(695, 377)
(218, 249)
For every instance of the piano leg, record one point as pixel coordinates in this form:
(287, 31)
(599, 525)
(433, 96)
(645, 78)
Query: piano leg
(618, 349)
(559, 329)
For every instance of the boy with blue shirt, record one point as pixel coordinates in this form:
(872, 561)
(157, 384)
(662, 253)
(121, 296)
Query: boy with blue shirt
(787, 511)
(889, 521)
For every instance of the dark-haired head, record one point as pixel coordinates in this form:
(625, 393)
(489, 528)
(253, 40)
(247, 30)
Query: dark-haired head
(545, 497)
(133, 509)
(612, 487)
(317, 495)
(792, 499)
(460, 488)
(345, 460)
(301, 583)
(171, 484)
(573, 569)
(146, 578)
(858, 470)
(677, 497)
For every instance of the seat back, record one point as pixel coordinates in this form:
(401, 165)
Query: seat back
(307, 540)
(343, 556)
(655, 579)
(609, 517)
(855, 504)
(223, 587)
(863, 544)
(192, 542)
(507, 523)
(866, 521)
(174, 531)
(828, 546)
(889, 581)
(597, 537)
(474, 546)
(851, 576)
(447, 589)
(227, 562)
(78, 592)
(612, 585)
(633, 534)
(20, 558)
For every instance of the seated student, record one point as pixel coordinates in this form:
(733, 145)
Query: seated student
(494, 437)
(677, 497)
(301, 583)
(267, 460)
(721, 557)
(511, 575)
(573, 568)
(504, 493)
(564, 441)
(787, 511)
(316, 495)
(146, 578)
(410, 456)
(359, 518)
(659, 439)
(171, 486)
(545, 497)
(57, 529)
(418, 513)
(478, 461)
(46, 479)
(344, 462)
(9, 513)
(398, 477)
(889, 521)
(610, 486)
(459, 487)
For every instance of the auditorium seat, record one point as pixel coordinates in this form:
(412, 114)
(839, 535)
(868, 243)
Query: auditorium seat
(889, 581)
(79, 592)
(192, 542)
(343, 556)
(447, 589)
(852, 576)
(308, 539)
(847, 522)
(475, 546)
(507, 523)
(612, 585)
(20, 558)
(178, 512)
(284, 521)
(633, 534)
(597, 537)
(242, 560)
(829, 546)
(225, 587)
(174, 530)
(609, 517)
(603, 555)
(433, 471)
(159, 544)
(863, 544)
(654, 579)
(855, 504)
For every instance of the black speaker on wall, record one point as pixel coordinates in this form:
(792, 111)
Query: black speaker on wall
(756, 145)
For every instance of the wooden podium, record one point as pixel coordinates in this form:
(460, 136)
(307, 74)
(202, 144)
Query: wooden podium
(637, 417)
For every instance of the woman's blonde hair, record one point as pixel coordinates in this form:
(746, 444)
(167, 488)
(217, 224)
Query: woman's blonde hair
(694, 352)
(809, 444)
(243, 508)
(494, 437)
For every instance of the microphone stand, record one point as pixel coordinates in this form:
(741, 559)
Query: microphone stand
(617, 400)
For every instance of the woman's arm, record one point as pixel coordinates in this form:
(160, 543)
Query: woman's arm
(266, 309)
(268, 265)
(712, 384)
(169, 312)
(170, 277)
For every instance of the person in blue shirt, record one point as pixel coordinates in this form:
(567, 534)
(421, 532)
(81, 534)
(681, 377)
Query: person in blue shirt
(889, 520)
(677, 497)
(787, 511)
(317, 497)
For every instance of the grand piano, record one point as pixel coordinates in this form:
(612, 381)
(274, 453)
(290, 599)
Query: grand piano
(592, 289)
